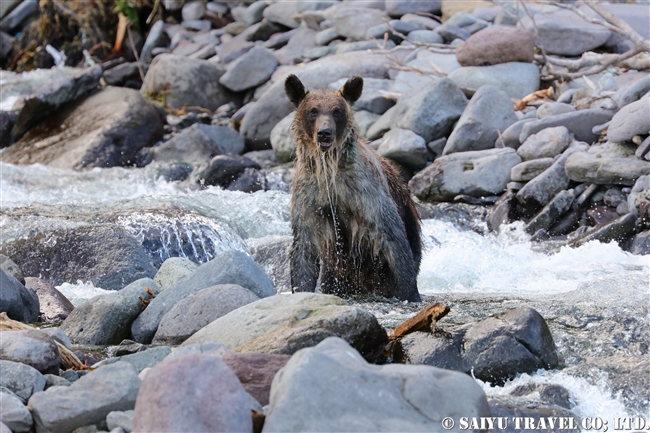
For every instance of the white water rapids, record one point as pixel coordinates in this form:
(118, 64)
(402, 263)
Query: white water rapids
(455, 262)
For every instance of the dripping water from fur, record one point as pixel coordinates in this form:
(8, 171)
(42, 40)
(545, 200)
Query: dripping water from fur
(329, 197)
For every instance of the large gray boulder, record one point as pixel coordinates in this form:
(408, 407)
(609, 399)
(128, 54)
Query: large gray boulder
(192, 393)
(199, 143)
(580, 123)
(564, 32)
(515, 78)
(365, 397)
(273, 105)
(475, 173)
(86, 401)
(489, 112)
(198, 310)
(105, 254)
(284, 324)
(183, 81)
(607, 164)
(21, 379)
(18, 302)
(493, 350)
(107, 319)
(405, 147)
(631, 120)
(250, 70)
(33, 347)
(430, 111)
(232, 267)
(104, 130)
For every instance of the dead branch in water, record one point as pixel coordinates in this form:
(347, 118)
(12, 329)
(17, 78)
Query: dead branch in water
(425, 320)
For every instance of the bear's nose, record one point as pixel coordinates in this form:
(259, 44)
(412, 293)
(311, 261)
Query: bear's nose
(325, 135)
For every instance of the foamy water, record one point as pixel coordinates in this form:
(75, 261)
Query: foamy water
(461, 261)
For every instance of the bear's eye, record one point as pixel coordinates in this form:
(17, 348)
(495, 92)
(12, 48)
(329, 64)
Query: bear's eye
(337, 112)
(313, 112)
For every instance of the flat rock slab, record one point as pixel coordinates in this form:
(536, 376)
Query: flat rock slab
(86, 401)
(232, 267)
(106, 129)
(579, 123)
(604, 170)
(192, 393)
(107, 319)
(284, 324)
(200, 309)
(476, 173)
(365, 397)
(33, 347)
(515, 78)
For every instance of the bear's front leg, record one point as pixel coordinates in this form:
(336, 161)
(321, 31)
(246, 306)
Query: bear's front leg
(304, 260)
(399, 256)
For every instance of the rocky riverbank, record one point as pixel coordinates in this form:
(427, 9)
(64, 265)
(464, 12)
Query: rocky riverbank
(486, 110)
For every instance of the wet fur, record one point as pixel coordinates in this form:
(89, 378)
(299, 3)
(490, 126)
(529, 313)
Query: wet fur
(350, 209)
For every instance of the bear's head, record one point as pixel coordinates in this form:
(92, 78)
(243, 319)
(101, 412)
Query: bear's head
(323, 117)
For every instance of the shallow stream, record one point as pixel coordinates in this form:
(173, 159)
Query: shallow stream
(596, 298)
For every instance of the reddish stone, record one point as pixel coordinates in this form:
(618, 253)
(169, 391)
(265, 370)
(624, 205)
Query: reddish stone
(492, 46)
(54, 306)
(255, 371)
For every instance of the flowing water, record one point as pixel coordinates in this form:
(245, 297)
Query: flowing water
(596, 298)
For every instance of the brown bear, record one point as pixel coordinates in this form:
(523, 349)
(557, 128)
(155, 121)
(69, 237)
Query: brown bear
(351, 212)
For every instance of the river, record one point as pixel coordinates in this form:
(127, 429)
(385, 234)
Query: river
(596, 298)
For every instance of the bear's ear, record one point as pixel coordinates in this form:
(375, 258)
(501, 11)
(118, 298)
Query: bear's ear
(295, 90)
(352, 89)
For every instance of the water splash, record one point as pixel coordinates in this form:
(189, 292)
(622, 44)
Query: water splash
(81, 291)
(458, 261)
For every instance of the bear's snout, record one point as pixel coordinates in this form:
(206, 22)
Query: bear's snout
(325, 138)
